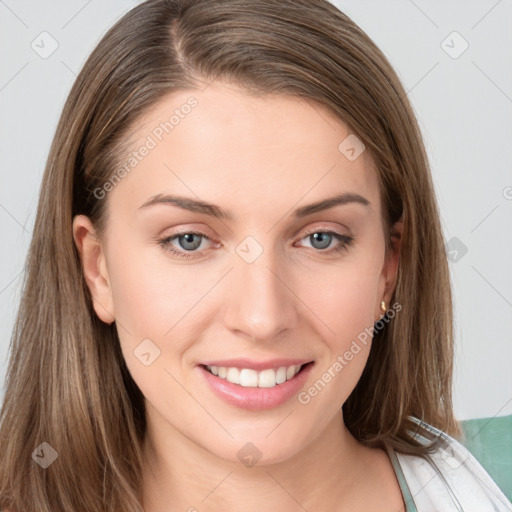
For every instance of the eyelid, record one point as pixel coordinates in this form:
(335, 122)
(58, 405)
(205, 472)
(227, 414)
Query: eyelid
(324, 229)
(344, 240)
(166, 243)
(184, 230)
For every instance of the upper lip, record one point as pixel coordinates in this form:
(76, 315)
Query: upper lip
(256, 365)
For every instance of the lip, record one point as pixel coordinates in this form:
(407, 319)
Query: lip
(255, 398)
(256, 365)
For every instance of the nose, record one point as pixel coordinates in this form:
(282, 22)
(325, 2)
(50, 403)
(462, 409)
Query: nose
(260, 302)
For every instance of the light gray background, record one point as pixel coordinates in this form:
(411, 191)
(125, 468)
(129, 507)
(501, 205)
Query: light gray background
(464, 106)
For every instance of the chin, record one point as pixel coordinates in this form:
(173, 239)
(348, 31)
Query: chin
(251, 451)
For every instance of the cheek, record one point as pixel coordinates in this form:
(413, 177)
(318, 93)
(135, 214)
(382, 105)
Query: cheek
(346, 308)
(149, 293)
(343, 297)
(158, 301)
(150, 298)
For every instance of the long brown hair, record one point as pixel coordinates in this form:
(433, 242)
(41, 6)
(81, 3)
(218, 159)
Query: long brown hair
(67, 383)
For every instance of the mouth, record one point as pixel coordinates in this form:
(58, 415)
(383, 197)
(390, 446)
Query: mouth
(250, 378)
(265, 387)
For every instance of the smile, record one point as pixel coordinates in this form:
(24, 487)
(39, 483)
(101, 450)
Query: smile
(247, 377)
(264, 386)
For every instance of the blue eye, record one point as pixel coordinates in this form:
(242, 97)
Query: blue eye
(322, 240)
(189, 242)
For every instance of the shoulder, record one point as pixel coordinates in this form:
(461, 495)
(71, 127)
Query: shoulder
(449, 476)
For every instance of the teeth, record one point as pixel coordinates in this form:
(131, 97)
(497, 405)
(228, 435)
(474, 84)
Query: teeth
(248, 378)
(252, 379)
(290, 372)
(233, 375)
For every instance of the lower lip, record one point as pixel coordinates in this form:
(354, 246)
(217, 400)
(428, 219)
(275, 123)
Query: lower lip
(256, 398)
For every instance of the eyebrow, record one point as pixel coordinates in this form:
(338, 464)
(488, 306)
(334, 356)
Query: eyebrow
(213, 210)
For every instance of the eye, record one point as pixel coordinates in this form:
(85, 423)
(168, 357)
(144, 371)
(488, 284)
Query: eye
(322, 239)
(186, 242)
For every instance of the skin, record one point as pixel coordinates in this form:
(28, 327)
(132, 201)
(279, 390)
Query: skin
(260, 158)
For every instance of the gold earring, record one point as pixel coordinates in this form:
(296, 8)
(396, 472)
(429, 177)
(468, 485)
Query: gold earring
(383, 306)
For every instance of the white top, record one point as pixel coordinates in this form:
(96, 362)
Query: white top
(448, 480)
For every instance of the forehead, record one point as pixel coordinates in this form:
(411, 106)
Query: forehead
(226, 145)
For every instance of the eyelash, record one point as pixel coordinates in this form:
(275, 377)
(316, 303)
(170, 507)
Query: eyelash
(346, 242)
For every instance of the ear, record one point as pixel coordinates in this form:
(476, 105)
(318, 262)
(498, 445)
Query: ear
(94, 267)
(389, 274)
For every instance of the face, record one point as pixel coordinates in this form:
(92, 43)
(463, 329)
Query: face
(214, 262)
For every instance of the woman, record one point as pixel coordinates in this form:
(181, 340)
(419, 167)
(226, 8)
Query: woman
(237, 293)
